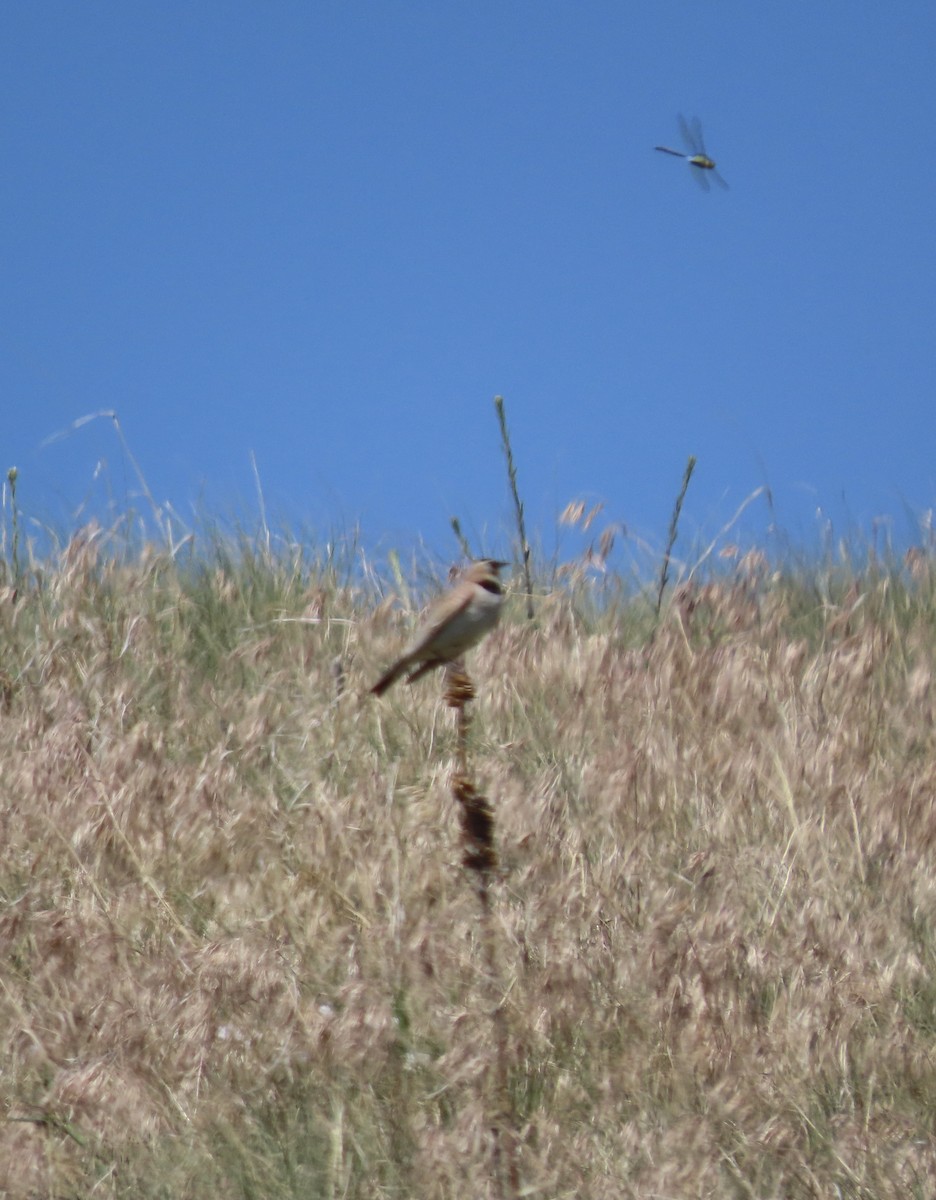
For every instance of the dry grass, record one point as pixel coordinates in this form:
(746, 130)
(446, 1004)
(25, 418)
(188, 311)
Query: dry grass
(241, 959)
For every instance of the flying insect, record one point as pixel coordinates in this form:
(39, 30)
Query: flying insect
(703, 167)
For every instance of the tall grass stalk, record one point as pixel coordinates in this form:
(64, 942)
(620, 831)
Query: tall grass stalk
(479, 859)
(261, 504)
(163, 516)
(12, 476)
(673, 533)
(518, 503)
(463, 543)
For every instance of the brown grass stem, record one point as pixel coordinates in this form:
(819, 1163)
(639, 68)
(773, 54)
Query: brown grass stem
(479, 857)
(517, 502)
(12, 475)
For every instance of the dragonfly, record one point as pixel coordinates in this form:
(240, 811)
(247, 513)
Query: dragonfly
(698, 159)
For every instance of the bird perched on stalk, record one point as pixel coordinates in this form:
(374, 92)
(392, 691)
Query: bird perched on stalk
(456, 622)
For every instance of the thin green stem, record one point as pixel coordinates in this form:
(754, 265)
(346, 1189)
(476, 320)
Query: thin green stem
(673, 532)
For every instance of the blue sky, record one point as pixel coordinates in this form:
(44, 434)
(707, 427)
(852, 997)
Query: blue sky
(326, 235)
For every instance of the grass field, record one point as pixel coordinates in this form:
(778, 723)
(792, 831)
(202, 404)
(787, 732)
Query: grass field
(241, 957)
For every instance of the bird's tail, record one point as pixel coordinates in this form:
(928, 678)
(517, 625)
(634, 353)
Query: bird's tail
(424, 668)
(389, 677)
(387, 680)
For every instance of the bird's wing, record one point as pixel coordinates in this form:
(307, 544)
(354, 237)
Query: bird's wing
(441, 614)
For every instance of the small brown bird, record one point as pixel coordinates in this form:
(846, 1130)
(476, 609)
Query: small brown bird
(456, 622)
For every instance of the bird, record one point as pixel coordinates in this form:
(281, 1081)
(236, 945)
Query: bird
(458, 620)
(697, 157)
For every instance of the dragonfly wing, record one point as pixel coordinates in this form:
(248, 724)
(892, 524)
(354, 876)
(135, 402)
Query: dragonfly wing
(718, 179)
(692, 134)
(700, 174)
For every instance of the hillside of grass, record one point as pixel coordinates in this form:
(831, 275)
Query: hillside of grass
(242, 958)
